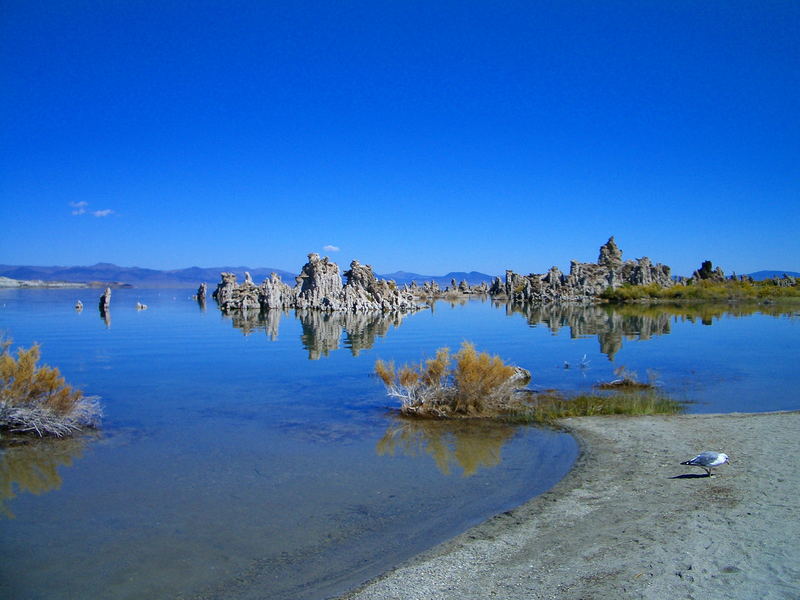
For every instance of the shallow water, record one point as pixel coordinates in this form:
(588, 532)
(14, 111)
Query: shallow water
(256, 457)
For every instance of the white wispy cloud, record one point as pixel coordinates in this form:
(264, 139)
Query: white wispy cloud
(331, 248)
(82, 208)
(78, 208)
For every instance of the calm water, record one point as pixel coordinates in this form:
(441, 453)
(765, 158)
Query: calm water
(256, 457)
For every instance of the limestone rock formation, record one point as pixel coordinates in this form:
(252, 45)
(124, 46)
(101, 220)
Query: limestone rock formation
(585, 281)
(610, 254)
(105, 300)
(318, 286)
(274, 293)
(430, 290)
(707, 272)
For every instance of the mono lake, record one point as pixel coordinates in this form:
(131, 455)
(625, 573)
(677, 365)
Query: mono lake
(256, 456)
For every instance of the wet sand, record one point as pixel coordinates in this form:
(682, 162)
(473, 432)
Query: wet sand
(630, 522)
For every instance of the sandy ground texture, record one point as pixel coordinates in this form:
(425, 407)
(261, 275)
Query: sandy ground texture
(628, 522)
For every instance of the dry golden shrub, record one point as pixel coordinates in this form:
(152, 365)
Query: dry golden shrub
(477, 377)
(385, 371)
(436, 368)
(470, 383)
(37, 398)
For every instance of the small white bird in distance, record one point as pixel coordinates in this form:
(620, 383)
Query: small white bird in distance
(707, 461)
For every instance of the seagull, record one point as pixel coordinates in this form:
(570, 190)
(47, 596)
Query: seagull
(707, 461)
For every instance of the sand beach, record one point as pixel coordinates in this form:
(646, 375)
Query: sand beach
(630, 522)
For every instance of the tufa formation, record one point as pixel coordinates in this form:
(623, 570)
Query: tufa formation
(585, 281)
(319, 286)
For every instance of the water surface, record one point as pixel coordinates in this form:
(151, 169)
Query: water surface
(254, 455)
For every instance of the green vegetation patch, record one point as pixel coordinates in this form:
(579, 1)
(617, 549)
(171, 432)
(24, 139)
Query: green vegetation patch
(470, 384)
(547, 407)
(729, 290)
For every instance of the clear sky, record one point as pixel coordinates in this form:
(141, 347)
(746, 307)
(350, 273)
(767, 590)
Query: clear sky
(426, 136)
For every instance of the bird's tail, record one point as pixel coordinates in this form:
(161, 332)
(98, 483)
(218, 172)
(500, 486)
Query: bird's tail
(687, 462)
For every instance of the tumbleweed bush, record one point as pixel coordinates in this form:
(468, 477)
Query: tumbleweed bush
(468, 383)
(37, 398)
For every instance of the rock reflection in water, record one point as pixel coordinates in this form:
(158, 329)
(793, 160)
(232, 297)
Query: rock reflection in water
(31, 466)
(610, 325)
(322, 331)
(469, 444)
(614, 323)
(257, 320)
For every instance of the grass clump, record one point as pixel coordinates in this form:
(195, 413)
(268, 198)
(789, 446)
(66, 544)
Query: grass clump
(473, 384)
(628, 380)
(37, 399)
(547, 407)
(468, 383)
(728, 290)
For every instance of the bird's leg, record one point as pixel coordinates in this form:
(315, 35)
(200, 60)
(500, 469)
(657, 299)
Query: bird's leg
(708, 472)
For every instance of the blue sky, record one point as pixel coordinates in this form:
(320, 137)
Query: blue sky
(423, 136)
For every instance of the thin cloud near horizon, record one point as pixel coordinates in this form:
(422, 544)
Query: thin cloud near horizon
(80, 208)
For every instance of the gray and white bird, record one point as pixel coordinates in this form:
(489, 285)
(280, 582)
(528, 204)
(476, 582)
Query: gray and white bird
(707, 461)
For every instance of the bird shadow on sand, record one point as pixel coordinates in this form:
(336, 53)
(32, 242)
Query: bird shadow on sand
(692, 476)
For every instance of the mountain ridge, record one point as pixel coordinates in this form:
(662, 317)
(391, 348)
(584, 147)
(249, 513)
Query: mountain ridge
(769, 274)
(193, 276)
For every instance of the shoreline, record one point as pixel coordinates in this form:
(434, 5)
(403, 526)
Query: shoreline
(624, 523)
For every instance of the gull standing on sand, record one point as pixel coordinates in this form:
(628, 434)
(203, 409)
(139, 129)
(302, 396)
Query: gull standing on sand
(707, 461)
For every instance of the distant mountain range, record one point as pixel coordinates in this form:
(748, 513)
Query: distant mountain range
(472, 278)
(135, 276)
(194, 276)
(761, 275)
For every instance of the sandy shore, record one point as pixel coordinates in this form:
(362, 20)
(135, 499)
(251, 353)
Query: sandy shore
(624, 524)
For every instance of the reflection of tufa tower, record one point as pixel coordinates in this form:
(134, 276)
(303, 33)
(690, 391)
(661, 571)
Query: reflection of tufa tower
(610, 325)
(322, 331)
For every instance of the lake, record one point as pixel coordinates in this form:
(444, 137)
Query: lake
(256, 456)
